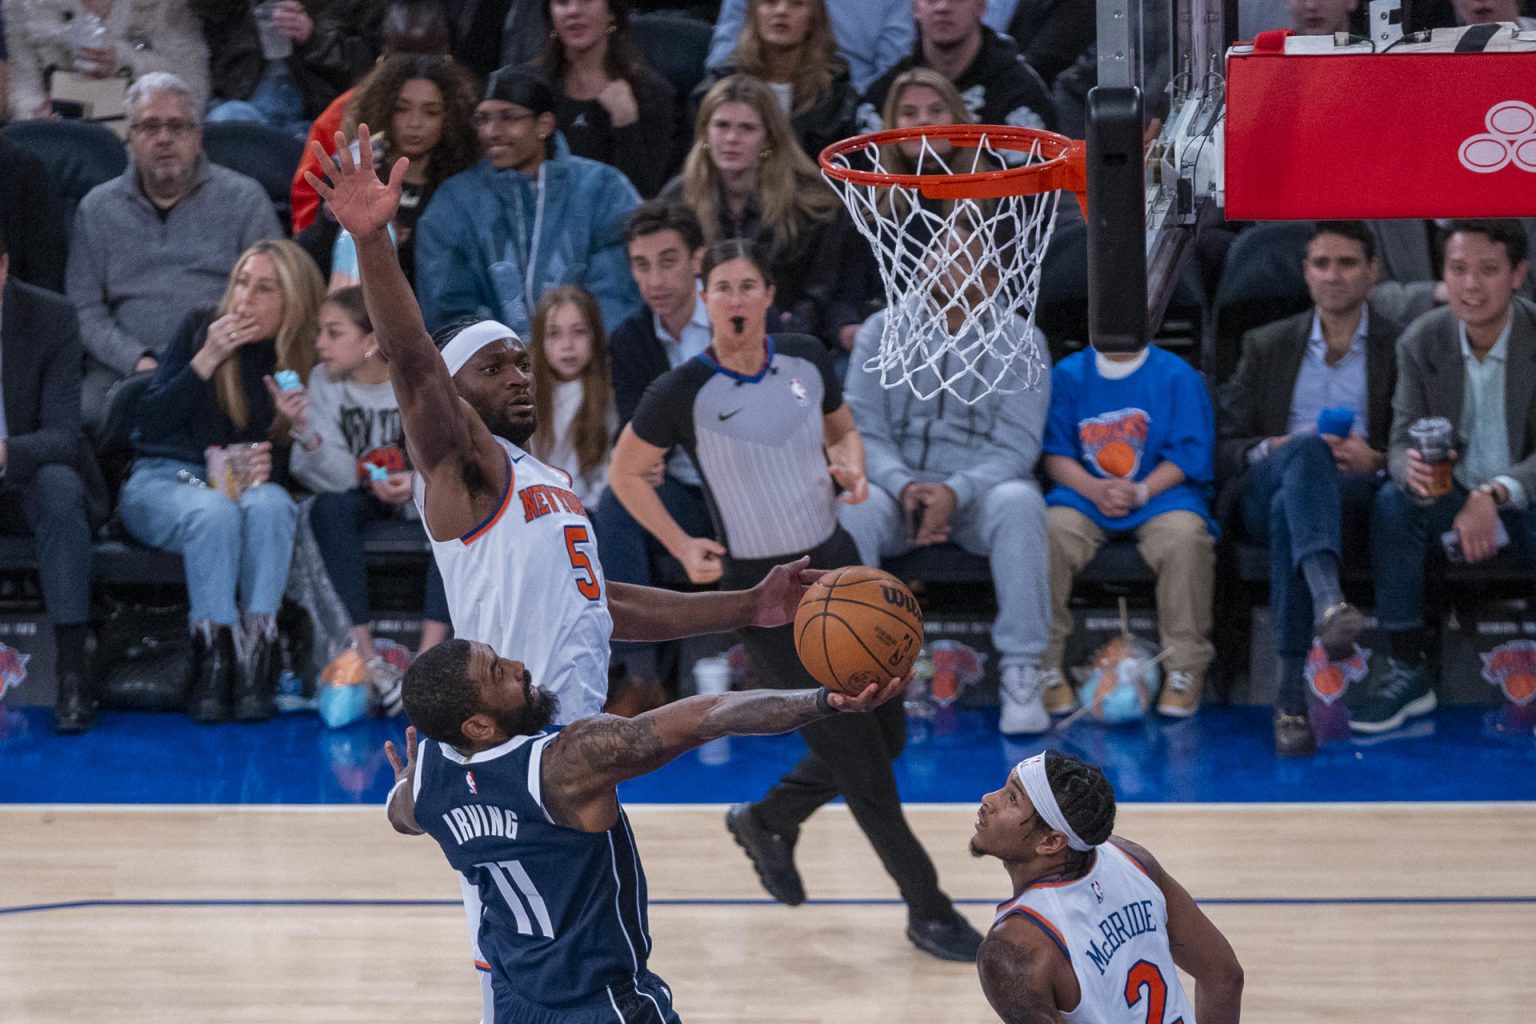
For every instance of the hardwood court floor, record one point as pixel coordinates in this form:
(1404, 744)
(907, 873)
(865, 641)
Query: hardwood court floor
(1347, 914)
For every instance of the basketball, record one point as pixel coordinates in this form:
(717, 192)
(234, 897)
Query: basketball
(857, 626)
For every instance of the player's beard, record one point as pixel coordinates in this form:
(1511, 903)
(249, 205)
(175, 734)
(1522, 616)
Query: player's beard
(538, 710)
(504, 426)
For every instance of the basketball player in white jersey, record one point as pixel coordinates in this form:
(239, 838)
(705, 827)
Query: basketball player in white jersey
(1096, 930)
(514, 544)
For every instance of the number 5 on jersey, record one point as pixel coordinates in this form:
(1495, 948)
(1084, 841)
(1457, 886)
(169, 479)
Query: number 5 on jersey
(585, 572)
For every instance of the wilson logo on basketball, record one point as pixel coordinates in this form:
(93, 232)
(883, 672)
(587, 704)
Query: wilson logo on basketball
(1113, 441)
(1512, 668)
(901, 598)
(1330, 680)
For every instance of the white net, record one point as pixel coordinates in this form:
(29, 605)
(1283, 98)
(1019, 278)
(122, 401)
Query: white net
(961, 276)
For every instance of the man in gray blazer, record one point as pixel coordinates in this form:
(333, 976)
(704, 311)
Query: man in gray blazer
(1473, 363)
(1299, 472)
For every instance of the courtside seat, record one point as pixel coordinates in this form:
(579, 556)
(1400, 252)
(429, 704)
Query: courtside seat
(1511, 569)
(79, 155)
(1261, 282)
(676, 46)
(258, 151)
(1117, 562)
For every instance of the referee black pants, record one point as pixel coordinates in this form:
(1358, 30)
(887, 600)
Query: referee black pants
(850, 754)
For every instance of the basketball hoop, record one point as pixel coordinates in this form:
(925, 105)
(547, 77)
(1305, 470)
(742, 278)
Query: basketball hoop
(959, 241)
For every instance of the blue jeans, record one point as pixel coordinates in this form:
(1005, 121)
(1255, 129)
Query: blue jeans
(1006, 525)
(229, 547)
(1295, 503)
(1403, 532)
(627, 549)
(275, 102)
(337, 521)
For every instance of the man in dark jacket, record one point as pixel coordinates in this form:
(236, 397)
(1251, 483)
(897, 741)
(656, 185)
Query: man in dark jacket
(665, 243)
(1304, 427)
(998, 86)
(41, 491)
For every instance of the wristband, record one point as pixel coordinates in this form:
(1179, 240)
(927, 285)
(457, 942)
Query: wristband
(823, 703)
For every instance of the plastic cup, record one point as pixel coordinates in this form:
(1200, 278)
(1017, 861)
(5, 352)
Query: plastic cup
(1432, 438)
(712, 677)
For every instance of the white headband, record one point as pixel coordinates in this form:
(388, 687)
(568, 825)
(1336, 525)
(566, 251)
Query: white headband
(471, 340)
(1031, 775)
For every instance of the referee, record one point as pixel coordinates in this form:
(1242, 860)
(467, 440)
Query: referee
(764, 420)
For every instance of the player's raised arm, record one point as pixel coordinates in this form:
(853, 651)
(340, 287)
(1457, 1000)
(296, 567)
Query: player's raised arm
(439, 426)
(589, 758)
(1197, 945)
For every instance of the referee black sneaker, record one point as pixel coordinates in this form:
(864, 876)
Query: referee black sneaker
(950, 938)
(772, 855)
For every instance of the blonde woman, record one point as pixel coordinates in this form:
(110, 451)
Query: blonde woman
(210, 391)
(573, 390)
(789, 45)
(746, 177)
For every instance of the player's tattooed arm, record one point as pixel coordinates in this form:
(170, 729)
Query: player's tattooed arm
(588, 759)
(1016, 980)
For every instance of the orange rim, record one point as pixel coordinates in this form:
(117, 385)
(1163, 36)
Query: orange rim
(1063, 167)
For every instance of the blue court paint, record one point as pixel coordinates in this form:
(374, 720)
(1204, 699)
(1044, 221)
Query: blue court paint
(1223, 755)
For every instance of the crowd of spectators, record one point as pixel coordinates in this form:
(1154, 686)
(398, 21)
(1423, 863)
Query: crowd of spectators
(563, 179)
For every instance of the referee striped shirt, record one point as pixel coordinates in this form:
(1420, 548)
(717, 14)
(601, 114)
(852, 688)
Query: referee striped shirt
(757, 440)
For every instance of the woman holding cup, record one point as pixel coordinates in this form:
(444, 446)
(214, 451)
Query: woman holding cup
(208, 405)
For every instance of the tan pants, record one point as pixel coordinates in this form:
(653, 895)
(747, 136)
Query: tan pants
(1181, 551)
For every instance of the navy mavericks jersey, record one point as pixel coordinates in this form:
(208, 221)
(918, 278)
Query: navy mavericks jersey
(562, 912)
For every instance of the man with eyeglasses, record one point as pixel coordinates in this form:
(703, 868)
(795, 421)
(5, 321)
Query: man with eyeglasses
(527, 218)
(1302, 440)
(158, 242)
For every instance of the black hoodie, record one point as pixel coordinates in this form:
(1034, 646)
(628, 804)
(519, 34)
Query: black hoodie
(998, 87)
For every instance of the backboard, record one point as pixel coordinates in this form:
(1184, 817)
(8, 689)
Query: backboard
(1159, 67)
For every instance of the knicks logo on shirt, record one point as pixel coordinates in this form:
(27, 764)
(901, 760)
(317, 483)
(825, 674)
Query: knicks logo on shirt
(1113, 442)
(542, 500)
(1512, 668)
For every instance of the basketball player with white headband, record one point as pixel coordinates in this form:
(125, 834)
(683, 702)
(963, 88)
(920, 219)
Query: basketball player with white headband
(514, 544)
(1096, 930)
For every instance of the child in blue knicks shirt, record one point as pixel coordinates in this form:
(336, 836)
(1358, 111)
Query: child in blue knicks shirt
(1129, 443)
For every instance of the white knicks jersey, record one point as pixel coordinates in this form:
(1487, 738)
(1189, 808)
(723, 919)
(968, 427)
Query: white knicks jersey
(1112, 926)
(528, 582)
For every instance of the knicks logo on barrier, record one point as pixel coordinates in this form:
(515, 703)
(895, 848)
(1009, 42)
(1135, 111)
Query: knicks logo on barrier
(1113, 441)
(949, 667)
(13, 668)
(1510, 139)
(1330, 680)
(1512, 668)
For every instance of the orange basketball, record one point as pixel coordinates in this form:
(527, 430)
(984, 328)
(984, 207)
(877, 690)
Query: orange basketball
(857, 626)
(1117, 459)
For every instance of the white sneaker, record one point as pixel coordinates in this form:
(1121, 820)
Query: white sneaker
(1021, 695)
(386, 682)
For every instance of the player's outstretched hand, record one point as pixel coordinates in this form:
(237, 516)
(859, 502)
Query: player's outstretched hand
(404, 768)
(872, 696)
(777, 597)
(361, 202)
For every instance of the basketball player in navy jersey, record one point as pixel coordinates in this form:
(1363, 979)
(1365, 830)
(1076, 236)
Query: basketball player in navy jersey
(519, 561)
(532, 820)
(1096, 930)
